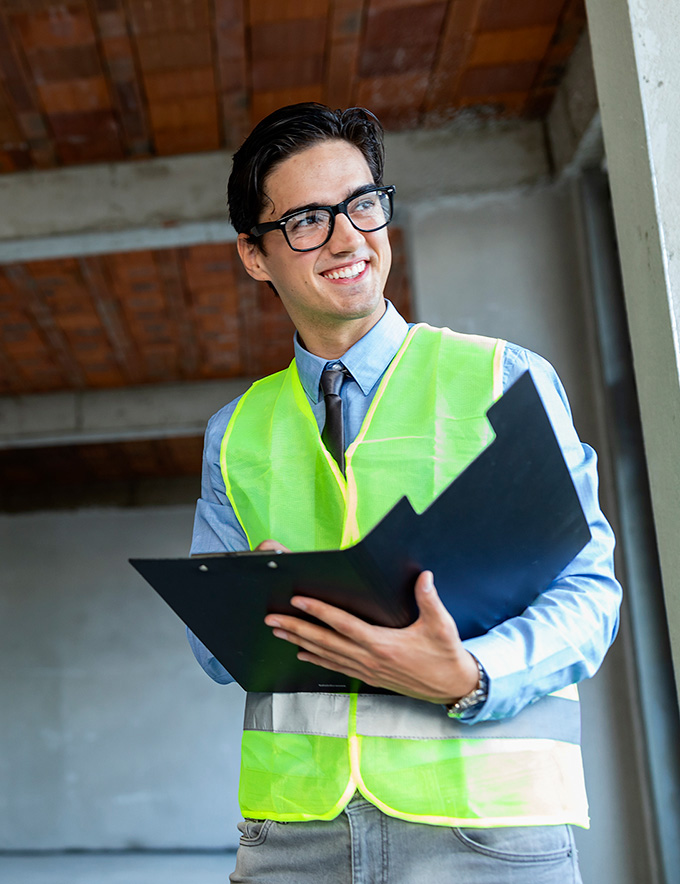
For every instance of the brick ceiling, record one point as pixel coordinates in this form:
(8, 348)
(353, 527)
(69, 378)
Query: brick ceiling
(91, 81)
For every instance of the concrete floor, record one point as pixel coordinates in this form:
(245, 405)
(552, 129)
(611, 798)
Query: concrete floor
(116, 868)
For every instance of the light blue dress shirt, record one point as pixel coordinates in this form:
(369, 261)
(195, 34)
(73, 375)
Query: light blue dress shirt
(563, 636)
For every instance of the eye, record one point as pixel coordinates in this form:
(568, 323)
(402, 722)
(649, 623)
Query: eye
(306, 221)
(365, 203)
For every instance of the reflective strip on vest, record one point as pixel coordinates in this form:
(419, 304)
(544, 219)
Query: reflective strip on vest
(410, 760)
(304, 755)
(379, 715)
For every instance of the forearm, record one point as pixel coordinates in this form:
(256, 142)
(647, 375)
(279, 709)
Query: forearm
(559, 640)
(216, 529)
(563, 637)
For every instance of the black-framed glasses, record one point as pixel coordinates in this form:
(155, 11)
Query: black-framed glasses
(311, 228)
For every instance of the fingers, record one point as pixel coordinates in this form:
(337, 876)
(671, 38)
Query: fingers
(341, 621)
(318, 643)
(271, 546)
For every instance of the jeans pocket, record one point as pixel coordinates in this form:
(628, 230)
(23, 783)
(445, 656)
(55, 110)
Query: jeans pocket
(253, 832)
(520, 843)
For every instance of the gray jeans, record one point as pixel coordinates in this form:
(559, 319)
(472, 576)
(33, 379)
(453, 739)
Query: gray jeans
(364, 846)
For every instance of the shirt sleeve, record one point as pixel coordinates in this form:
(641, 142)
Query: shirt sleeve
(564, 635)
(216, 528)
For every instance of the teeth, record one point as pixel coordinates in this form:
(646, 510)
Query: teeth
(346, 272)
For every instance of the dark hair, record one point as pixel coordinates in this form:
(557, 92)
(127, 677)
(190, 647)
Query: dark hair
(288, 131)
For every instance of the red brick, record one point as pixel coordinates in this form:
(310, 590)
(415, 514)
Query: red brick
(178, 50)
(93, 124)
(262, 11)
(64, 24)
(94, 150)
(182, 112)
(497, 14)
(177, 84)
(74, 96)
(175, 141)
(167, 16)
(499, 79)
(509, 47)
(380, 5)
(404, 26)
(264, 103)
(71, 63)
(287, 38)
(397, 92)
(288, 72)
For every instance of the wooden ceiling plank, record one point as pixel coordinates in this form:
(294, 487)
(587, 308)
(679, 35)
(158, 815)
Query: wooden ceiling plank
(402, 40)
(567, 32)
(112, 28)
(44, 320)
(110, 316)
(344, 44)
(457, 40)
(232, 76)
(23, 98)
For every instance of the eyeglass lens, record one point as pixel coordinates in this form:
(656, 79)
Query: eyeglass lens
(309, 229)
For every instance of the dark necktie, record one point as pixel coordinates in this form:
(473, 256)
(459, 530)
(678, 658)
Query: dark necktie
(333, 435)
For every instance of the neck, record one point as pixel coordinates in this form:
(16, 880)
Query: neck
(333, 341)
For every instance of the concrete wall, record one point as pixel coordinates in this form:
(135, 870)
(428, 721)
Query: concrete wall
(510, 265)
(111, 736)
(117, 739)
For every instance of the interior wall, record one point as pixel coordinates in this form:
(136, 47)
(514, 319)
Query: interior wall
(111, 736)
(509, 265)
(115, 738)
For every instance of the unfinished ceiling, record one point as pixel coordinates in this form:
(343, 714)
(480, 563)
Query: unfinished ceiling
(92, 81)
(105, 80)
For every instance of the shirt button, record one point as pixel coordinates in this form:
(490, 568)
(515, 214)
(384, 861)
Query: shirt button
(336, 366)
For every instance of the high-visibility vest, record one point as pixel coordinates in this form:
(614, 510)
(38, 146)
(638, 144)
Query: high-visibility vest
(304, 755)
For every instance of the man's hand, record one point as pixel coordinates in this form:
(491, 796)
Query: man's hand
(425, 660)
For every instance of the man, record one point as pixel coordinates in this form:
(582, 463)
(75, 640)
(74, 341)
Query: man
(470, 771)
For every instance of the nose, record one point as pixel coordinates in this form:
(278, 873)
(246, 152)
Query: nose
(345, 238)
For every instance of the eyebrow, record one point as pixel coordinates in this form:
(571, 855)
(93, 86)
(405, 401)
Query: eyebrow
(308, 206)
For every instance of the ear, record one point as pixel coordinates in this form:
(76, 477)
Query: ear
(252, 258)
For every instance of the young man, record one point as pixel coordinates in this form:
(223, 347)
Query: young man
(471, 770)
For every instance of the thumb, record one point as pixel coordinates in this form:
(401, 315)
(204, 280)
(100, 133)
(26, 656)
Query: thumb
(427, 598)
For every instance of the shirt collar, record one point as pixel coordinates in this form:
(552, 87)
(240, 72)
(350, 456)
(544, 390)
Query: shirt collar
(366, 360)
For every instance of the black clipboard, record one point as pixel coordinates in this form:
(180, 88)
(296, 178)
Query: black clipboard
(494, 538)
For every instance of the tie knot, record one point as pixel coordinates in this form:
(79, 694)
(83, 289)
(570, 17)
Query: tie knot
(331, 380)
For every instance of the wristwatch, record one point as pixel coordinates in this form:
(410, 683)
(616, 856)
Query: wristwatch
(465, 706)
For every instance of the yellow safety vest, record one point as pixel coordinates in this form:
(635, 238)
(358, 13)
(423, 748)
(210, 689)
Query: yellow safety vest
(304, 755)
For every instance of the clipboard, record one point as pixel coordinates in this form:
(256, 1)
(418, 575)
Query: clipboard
(494, 538)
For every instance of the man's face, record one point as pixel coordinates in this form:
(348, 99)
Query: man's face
(322, 303)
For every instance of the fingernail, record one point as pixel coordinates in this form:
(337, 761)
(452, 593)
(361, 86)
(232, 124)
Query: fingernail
(272, 621)
(429, 581)
(299, 603)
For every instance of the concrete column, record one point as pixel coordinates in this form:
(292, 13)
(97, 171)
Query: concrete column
(637, 71)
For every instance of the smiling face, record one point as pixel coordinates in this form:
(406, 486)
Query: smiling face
(334, 294)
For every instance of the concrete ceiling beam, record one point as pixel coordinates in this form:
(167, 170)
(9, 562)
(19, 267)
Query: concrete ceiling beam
(176, 201)
(146, 412)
